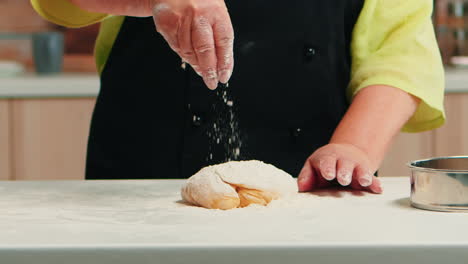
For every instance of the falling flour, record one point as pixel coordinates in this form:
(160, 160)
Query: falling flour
(225, 129)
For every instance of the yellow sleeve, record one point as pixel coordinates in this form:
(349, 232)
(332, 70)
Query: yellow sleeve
(394, 44)
(64, 13)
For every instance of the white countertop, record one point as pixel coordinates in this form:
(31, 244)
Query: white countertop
(56, 85)
(456, 80)
(145, 222)
(87, 85)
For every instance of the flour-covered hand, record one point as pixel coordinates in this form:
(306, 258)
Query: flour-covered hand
(344, 163)
(201, 33)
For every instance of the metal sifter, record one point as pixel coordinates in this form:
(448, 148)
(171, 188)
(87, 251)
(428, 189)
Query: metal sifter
(440, 184)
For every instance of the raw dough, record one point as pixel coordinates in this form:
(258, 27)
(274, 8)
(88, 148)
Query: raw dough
(237, 184)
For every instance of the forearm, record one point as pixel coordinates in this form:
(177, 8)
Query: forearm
(375, 116)
(137, 8)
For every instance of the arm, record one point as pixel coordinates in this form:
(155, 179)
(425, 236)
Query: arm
(374, 118)
(397, 84)
(65, 13)
(360, 141)
(137, 8)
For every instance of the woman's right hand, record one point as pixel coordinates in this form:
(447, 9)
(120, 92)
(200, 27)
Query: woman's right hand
(201, 33)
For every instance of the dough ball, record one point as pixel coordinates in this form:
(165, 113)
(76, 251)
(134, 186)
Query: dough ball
(206, 189)
(237, 184)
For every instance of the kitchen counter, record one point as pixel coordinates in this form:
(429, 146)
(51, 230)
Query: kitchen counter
(456, 80)
(145, 222)
(87, 85)
(50, 86)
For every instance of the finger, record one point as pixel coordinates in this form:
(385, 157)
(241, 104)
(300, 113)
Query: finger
(376, 186)
(327, 167)
(364, 177)
(320, 166)
(310, 178)
(185, 41)
(355, 185)
(167, 24)
(344, 171)
(224, 42)
(203, 45)
(306, 179)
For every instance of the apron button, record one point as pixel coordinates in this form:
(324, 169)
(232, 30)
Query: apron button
(197, 120)
(296, 132)
(309, 52)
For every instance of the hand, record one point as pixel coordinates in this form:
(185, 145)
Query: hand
(200, 32)
(346, 163)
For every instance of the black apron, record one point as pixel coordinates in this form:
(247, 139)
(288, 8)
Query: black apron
(292, 67)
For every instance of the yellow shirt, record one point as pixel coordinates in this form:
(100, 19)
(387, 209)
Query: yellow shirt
(393, 44)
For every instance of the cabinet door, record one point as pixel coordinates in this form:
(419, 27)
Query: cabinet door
(406, 147)
(50, 138)
(449, 140)
(5, 147)
(452, 138)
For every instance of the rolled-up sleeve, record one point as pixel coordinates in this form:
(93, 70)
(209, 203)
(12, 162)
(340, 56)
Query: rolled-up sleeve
(64, 13)
(394, 44)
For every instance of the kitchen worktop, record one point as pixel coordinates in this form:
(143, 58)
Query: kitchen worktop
(145, 222)
(87, 85)
(50, 86)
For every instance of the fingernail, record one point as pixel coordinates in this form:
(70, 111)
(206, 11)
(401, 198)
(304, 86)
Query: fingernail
(212, 84)
(211, 79)
(300, 179)
(224, 76)
(300, 183)
(345, 179)
(379, 188)
(329, 175)
(366, 180)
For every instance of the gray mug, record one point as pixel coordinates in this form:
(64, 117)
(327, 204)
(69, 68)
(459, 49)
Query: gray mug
(48, 52)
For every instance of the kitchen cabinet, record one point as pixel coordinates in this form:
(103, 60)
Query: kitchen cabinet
(449, 140)
(44, 138)
(452, 138)
(5, 147)
(405, 148)
(49, 138)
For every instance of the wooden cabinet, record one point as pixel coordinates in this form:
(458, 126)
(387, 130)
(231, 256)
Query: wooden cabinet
(47, 138)
(5, 147)
(406, 147)
(452, 138)
(50, 138)
(449, 140)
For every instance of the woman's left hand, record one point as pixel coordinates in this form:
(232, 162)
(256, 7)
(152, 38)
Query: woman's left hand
(345, 163)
